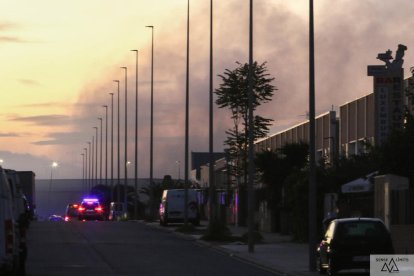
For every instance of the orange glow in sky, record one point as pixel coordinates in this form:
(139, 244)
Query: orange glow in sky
(58, 60)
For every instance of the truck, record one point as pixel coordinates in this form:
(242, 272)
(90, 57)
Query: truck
(27, 181)
(10, 250)
(21, 216)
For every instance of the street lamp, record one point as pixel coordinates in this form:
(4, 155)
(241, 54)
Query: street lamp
(187, 96)
(312, 166)
(93, 163)
(250, 191)
(136, 137)
(118, 199)
(212, 188)
(53, 166)
(90, 168)
(100, 154)
(152, 120)
(96, 156)
(126, 136)
(112, 145)
(83, 169)
(106, 144)
(86, 170)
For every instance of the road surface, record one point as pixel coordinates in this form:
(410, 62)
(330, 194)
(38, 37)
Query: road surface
(123, 248)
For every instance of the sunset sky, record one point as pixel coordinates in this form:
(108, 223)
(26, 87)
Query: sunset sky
(58, 60)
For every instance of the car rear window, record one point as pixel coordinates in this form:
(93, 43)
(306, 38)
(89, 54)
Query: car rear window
(361, 229)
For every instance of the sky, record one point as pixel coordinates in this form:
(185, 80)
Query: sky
(59, 60)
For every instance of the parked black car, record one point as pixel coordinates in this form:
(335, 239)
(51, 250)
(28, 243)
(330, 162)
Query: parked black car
(348, 243)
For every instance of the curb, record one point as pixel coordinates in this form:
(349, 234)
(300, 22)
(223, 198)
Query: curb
(241, 257)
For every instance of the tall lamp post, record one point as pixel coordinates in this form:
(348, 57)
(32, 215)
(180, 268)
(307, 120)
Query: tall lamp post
(86, 170)
(136, 138)
(90, 168)
(83, 169)
(96, 155)
(112, 145)
(126, 142)
(106, 144)
(212, 198)
(93, 163)
(152, 119)
(250, 187)
(312, 165)
(118, 198)
(187, 96)
(53, 166)
(100, 153)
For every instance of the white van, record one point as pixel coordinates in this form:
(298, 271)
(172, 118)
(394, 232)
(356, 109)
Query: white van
(9, 246)
(172, 207)
(116, 211)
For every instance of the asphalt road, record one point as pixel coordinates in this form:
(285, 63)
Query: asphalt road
(123, 248)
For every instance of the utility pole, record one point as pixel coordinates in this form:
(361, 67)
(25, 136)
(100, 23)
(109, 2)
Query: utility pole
(312, 159)
(250, 188)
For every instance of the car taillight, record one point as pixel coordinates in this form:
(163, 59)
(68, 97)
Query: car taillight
(8, 225)
(66, 218)
(98, 209)
(81, 209)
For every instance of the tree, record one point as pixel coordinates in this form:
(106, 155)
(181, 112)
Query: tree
(274, 168)
(233, 94)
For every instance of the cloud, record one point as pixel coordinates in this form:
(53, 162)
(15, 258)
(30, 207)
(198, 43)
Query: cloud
(348, 37)
(9, 27)
(61, 138)
(4, 26)
(13, 39)
(46, 105)
(46, 143)
(29, 82)
(44, 120)
(9, 134)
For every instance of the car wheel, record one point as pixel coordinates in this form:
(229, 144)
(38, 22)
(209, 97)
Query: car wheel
(332, 271)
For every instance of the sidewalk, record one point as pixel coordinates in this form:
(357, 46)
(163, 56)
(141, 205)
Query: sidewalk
(276, 252)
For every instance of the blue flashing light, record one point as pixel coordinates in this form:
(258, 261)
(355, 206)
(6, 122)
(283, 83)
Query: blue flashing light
(90, 200)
